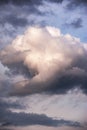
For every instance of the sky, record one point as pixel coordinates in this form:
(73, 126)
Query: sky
(43, 64)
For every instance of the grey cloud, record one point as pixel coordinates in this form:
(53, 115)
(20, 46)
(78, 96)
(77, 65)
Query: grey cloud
(24, 8)
(14, 17)
(5, 86)
(77, 23)
(29, 2)
(76, 3)
(56, 1)
(18, 67)
(11, 13)
(68, 82)
(24, 119)
(21, 2)
(4, 110)
(15, 21)
(5, 105)
(5, 128)
(57, 85)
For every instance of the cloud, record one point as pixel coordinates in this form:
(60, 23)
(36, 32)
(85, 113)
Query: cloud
(24, 119)
(18, 17)
(29, 2)
(15, 21)
(51, 61)
(20, 11)
(8, 117)
(56, 1)
(21, 2)
(76, 3)
(77, 23)
(57, 105)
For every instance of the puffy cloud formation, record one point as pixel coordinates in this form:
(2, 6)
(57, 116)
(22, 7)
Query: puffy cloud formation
(47, 60)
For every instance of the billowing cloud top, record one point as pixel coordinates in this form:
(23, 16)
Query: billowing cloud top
(44, 60)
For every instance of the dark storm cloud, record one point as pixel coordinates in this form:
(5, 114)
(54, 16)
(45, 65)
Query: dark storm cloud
(15, 16)
(24, 119)
(15, 21)
(76, 3)
(25, 2)
(5, 105)
(16, 13)
(77, 23)
(21, 2)
(68, 82)
(8, 117)
(56, 1)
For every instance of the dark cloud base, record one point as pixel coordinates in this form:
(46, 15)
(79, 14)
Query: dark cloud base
(9, 118)
(23, 119)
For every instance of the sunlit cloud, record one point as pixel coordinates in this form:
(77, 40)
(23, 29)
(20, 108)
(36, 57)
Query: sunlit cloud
(50, 61)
